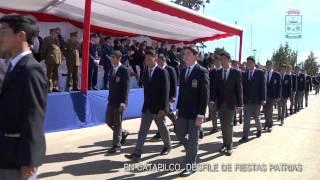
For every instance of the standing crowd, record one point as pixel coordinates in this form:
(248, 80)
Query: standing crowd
(227, 90)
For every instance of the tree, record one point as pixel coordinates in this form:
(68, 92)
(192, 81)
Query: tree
(191, 4)
(284, 56)
(310, 64)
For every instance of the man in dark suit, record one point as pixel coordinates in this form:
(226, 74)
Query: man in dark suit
(94, 60)
(228, 96)
(286, 90)
(294, 89)
(107, 49)
(235, 64)
(117, 101)
(316, 82)
(301, 87)
(212, 106)
(156, 100)
(36, 46)
(22, 101)
(162, 62)
(273, 81)
(254, 96)
(308, 88)
(192, 102)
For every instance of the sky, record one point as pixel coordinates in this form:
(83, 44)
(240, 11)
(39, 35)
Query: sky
(267, 19)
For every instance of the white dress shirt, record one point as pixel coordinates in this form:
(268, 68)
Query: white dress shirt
(16, 59)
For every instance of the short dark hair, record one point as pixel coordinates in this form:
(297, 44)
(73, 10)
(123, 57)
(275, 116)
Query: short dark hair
(269, 62)
(107, 38)
(226, 54)
(162, 57)
(193, 49)
(21, 22)
(251, 58)
(116, 53)
(151, 52)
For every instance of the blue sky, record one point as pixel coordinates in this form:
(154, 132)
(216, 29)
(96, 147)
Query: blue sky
(267, 18)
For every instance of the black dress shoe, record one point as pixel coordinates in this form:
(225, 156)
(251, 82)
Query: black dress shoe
(264, 128)
(223, 149)
(229, 152)
(201, 134)
(156, 136)
(243, 140)
(214, 130)
(165, 151)
(269, 129)
(95, 88)
(133, 157)
(258, 134)
(114, 149)
(186, 173)
(124, 137)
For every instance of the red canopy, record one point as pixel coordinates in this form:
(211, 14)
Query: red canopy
(158, 19)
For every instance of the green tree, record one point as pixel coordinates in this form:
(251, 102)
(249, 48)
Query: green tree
(310, 64)
(284, 55)
(191, 4)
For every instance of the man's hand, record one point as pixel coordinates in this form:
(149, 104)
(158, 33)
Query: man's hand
(238, 109)
(263, 103)
(28, 171)
(161, 113)
(173, 99)
(121, 108)
(199, 121)
(177, 115)
(211, 104)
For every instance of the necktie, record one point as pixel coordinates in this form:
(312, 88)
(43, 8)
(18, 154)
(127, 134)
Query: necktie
(224, 75)
(268, 76)
(250, 75)
(8, 72)
(187, 73)
(150, 74)
(113, 72)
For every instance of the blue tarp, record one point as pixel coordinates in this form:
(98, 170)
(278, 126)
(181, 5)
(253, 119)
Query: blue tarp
(74, 110)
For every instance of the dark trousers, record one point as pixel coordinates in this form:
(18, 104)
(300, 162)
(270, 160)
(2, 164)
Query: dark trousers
(282, 104)
(292, 102)
(114, 120)
(107, 70)
(72, 79)
(93, 75)
(226, 120)
(306, 95)
(53, 76)
(268, 112)
(251, 110)
(213, 116)
(191, 144)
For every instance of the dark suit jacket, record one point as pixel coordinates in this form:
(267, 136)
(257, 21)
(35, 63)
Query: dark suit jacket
(308, 83)
(156, 91)
(274, 86)
(119, 86)
(294, 82)
(301, 82)
(286, 86)
(193, 94)
(94, 52)
(254, 90)
(212, 75)
(173, 81)
(22, 110)
(229, 92)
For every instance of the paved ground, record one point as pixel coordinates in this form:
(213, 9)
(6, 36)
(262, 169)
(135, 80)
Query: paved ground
(289, 152)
